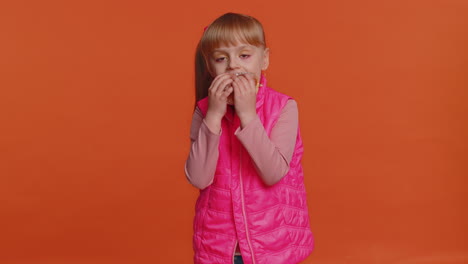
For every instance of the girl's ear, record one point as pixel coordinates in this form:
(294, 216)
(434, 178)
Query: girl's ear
(266, 59)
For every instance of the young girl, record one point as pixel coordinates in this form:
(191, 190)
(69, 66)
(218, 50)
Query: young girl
(245, 154)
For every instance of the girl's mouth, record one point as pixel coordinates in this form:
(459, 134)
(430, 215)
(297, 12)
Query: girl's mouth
(240, 73)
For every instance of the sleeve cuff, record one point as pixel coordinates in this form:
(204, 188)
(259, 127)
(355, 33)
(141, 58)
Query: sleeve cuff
(208, 131)
(249, 128)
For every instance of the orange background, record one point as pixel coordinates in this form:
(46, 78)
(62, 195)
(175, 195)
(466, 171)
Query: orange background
(96, 100)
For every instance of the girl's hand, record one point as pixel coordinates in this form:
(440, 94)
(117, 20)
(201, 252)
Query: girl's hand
(218, 93)
(245, 98)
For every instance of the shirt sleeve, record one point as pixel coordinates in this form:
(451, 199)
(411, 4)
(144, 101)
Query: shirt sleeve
(272, 155)
(201, 163)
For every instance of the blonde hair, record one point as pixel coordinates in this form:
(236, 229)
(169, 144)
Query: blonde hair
(228, 29)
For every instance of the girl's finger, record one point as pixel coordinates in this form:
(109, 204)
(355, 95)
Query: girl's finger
(222, 86)
(227, 92)
(217, 80)
(243, 85)
(238, 89)
(251, 79)
(235, 87)
(246, 82)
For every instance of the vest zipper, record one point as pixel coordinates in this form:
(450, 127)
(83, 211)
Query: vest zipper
(234, 252)
(243, 207)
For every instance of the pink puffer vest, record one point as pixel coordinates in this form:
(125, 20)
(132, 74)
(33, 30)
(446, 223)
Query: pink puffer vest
(271, 223)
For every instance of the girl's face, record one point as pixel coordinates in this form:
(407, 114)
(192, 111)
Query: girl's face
(239, 58)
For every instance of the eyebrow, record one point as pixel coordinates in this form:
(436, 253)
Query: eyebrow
(240, 48)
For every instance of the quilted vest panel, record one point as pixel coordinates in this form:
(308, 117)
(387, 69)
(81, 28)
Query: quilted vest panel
(270, 223)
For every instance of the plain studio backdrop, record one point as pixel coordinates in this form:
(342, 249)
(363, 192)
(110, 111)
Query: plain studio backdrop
(96, 99)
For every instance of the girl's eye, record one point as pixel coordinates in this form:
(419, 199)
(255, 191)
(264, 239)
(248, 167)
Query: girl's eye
(244, 56)
(220, 59)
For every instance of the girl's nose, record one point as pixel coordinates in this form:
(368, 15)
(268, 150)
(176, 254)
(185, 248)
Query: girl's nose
(232, 64)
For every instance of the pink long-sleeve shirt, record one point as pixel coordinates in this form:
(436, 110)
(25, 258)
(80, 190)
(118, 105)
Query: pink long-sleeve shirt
(271, 155)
